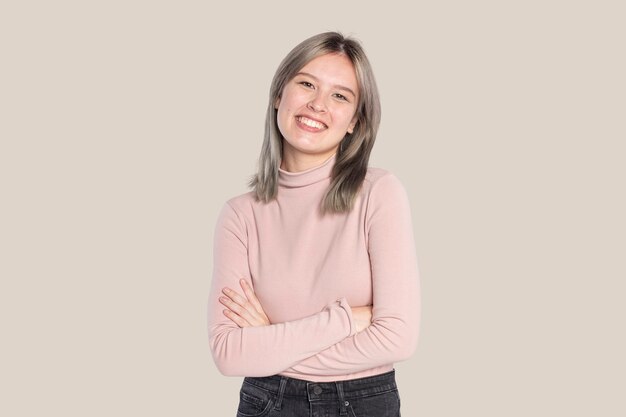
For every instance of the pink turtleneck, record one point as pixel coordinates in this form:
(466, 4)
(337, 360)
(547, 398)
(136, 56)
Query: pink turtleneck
(307, 270)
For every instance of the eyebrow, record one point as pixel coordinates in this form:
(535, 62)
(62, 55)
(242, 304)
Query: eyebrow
(337, 86)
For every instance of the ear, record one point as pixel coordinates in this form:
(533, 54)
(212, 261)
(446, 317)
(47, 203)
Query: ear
(352, 125)
(276, 103)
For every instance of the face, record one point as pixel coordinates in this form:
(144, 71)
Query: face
(316, 110)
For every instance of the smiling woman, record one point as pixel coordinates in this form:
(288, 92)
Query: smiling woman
(315, 291)
(316, 110)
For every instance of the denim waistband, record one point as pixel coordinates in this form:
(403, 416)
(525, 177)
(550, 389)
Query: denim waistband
(325, 391)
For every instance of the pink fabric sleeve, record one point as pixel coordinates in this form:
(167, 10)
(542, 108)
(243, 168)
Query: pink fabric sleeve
(393, 334)
(263, 350)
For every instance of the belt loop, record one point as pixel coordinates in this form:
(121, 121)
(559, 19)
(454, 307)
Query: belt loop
(281, 392)
(343, 411)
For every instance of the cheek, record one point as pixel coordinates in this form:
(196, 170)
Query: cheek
(284, 107)
(284, 113)
(347, 117)
(283, 117)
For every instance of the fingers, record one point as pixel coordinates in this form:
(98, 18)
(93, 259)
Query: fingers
(362, 317)
(239, 306)
(238, 320)
(251, 296)
(244, 310)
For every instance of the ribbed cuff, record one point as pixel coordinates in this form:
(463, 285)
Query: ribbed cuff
(343, 303)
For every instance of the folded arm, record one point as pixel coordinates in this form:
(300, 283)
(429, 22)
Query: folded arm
(393, 334)
(262, 350)
(326, 343)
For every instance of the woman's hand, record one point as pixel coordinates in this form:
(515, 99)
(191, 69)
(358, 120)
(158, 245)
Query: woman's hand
(244, 311)
(362, 317)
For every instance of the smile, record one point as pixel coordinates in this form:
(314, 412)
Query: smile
(311, 123)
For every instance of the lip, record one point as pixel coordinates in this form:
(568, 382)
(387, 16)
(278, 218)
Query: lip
(309, 128)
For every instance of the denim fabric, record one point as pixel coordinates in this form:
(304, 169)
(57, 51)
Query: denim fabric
(278, 396)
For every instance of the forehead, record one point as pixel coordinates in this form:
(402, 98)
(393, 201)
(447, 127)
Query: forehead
(335, 69)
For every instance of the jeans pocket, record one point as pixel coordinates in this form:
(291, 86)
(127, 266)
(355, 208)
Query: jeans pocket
(253, 401)
(382, 405)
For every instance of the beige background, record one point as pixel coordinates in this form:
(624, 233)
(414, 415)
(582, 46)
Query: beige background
(125, 125)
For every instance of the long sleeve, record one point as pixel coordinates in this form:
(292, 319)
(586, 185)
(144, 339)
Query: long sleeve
(393, 334)
(265, 350)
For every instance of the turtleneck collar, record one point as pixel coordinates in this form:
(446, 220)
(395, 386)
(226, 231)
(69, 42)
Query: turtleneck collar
(307, 177)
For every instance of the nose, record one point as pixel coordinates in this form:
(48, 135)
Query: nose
(317, 104)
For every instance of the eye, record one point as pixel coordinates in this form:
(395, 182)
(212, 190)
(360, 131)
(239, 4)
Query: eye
(306, 84)
(341, 97)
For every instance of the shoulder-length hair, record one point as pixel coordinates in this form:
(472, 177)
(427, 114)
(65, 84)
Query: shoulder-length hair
(354, 150)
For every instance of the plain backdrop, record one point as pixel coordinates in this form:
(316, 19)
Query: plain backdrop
(125, 125)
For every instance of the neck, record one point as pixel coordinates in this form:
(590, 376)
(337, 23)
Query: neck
(314, 175)
(292, 163)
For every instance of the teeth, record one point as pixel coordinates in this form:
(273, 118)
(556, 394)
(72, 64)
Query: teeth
(311, 123)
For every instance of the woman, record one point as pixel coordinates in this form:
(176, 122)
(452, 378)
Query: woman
(315, 286)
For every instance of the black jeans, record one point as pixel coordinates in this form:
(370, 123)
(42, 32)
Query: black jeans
(279, 396)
